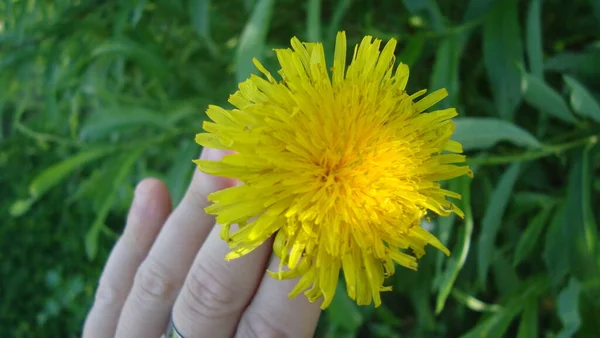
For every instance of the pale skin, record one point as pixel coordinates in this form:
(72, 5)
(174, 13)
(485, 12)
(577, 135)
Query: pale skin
(171, 262)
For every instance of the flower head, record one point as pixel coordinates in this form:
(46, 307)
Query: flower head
(341, 166)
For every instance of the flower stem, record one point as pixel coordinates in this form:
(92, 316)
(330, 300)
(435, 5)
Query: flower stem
(534, 155)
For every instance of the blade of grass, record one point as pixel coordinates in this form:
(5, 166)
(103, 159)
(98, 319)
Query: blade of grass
(252, 40)
(313, 21)
(493, 219)
(455, 264)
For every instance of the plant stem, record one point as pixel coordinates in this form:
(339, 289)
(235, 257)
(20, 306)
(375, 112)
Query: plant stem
(534, 155)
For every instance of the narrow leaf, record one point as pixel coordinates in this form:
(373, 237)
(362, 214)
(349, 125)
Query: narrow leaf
(344, 313)
(179, 175)
(473, 303)
(505, 276)
(528, 327)
(56, 173)
(584, 63)
(580, 233)
(20, 207)
(531, 236)
(113, 119)
(543, 97)
(555, 253)
(495, 325)
(534, 39)
(502, 53)
(199, 15)
(252, 40)
(492, 220)
(485, 132)
(313, 21)
(147, 58)
(411, 52)
(455, 264)
(568, 309)
(336, 19)
(91, 238)
(582, 100)
(477, 8)
(445, 70)
(200, 18)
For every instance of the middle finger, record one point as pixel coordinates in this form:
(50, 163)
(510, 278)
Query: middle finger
(216, 291)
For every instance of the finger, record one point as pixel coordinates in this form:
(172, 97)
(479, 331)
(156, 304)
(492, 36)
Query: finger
(272, 314)
(216, 291)
(149, 210)
(160, 276)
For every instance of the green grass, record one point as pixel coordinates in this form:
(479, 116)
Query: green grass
(96, 95)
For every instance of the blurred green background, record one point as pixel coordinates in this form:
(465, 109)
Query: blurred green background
(96, 95)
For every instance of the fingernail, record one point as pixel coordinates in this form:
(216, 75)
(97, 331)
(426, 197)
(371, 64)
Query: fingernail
(143, 193)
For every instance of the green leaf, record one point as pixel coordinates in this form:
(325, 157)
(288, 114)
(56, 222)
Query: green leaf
(200, 18)
(531, 236)
(180, 173)
(336, 19)
(505, 276)
(529, 199)
(484, 132)
(580, 233)
(477, 8)
(495, 325)
(455, 264)
(387, 316)
(412, 51)
(414, 6)
(313, 21)
(343, 312)
(91, 238)
(445, 70)
(137, 11)
(596, 8)
(473, 303)
(543, 97)
(252, 41)
(582, 101)
(502, 53)
(383, 330)
(149, 59)
(114, 119)
(443, 227)
(534, 39)
(584, 63)
(492, 220)
(528, 327)
(56, 173)
(555, 253)
(20, 207)
(568, 309)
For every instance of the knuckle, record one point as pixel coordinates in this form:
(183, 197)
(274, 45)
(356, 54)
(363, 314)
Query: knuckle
(207, 295)
(107, 294)
(197, 193)
(255, 325)
(154, 282)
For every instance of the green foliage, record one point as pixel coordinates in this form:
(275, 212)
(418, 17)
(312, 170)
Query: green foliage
(96, 95)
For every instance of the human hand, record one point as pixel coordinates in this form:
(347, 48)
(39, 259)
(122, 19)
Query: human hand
(172, 263)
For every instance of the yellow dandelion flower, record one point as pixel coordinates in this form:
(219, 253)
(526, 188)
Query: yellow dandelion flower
(341, 166)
